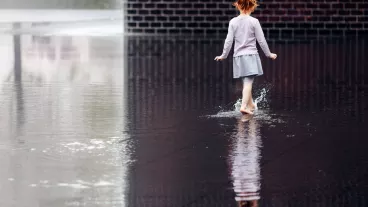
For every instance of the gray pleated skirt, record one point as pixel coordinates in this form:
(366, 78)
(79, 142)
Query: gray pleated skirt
(247, 65)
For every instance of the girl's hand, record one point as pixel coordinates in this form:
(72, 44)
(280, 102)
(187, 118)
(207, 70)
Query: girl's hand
(219, 58)
(273, 56)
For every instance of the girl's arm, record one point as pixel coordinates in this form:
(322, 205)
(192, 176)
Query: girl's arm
(228, 42)
(261, 39)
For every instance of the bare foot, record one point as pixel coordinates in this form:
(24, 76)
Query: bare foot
(246, 111)
(252, 107)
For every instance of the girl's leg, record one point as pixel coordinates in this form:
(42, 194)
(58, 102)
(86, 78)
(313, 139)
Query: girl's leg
(250, 103)
(247, 90)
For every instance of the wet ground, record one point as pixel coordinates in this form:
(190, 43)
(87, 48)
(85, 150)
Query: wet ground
(127, 121)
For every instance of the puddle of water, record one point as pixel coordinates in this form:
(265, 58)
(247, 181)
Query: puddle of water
(260, 113)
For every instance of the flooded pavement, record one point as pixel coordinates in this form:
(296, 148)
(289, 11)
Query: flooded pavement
(113, 121)
(304, 147)
(63, 123)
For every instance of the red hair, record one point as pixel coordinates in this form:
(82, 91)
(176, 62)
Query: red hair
(246, 5)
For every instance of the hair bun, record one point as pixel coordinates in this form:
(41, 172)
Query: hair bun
(246, 5)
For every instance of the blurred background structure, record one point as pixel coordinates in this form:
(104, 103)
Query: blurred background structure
(60, 4)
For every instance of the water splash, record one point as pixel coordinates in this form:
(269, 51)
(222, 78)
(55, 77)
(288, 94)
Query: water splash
(262, 97)
(237, 105)
(260, 100)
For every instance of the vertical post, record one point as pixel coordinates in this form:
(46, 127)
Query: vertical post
(17, 55)
(18, 77)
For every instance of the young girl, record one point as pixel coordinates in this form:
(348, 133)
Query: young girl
(246, 30)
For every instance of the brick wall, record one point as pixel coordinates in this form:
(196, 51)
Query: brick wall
(279, 18)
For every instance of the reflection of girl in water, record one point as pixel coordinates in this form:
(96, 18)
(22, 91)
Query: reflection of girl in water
(245, 157)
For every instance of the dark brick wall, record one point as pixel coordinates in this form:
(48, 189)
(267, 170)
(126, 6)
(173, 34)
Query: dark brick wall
(279, 18)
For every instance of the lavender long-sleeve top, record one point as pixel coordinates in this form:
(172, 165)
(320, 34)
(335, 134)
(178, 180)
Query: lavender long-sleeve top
(245, 30)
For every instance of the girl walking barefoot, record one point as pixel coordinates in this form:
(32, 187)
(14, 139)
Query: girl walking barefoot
(246, 30)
